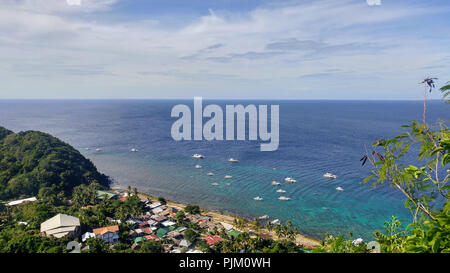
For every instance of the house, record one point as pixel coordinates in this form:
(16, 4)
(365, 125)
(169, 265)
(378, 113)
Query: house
(17, 202)
(234, 233)
(158, 218)
(61, 225)
(265, 236)
(227, 227)
(157, 210)
(154, 205)
(161, 232)
(147, 230)
(194, 251)
(184, 243)
(138, 240)
(87, 235)
(211, 240)
(168, 223)
(181, 229)
(152, 237)
(106, 194)
(108, 234)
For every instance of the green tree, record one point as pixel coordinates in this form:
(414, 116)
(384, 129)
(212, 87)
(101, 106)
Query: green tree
(97, 245)
(190, 235)
(179, 217)
(85, 195)
(193, 209)
(151, 247)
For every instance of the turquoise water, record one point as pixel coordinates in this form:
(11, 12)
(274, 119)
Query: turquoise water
(315, 137)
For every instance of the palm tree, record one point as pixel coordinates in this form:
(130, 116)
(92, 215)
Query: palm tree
(446, 90)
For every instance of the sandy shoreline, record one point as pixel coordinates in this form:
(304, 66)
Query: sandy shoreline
(219, 217)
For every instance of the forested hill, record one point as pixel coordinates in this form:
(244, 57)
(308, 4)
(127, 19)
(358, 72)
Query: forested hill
(34, 161)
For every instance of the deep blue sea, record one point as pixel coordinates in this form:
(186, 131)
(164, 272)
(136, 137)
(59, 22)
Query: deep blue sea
(315, 137)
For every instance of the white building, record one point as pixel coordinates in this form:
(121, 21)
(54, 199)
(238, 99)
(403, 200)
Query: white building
(17, 202)
(61, 225)
(87, 235)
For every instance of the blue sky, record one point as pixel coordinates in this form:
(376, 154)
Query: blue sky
(322, 49)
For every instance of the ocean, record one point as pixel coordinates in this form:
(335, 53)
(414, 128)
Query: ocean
(315, 137)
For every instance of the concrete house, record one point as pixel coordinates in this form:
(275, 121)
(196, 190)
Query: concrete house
(108, 234)
(61, 225)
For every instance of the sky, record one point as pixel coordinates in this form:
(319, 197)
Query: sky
(222, 49)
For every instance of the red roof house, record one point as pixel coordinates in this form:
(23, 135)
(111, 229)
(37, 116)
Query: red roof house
(210, 240)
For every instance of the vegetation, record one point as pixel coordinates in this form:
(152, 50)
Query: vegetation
(192, 209)
(33, 163)
(422, 181)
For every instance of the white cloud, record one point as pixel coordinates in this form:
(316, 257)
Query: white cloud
(271, 51)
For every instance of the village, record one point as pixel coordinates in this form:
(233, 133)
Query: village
(173, 227)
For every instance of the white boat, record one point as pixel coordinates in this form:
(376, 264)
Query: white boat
(98, 150)
(134, 150)
(232, 160)
(264, 217)
(209, 174)
(198, 166)
(339, 189)
(284, 198)
(290, 180)
(215, 184)
(258, 198)
(87, 149)
(276, 222)
(281, 191)
(228, 176)
(330, 175)
(198, 156)
(275, 183)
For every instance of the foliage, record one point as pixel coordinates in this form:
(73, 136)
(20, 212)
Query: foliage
(446, 92)
(190, 235)
(84, 195)
(33, 160)
(193, 209)
(162, 200)
(393, 240)
(97, 245)
(422, 184)
(179, 217)
(18, 239)
(340, 244)
(151, 247)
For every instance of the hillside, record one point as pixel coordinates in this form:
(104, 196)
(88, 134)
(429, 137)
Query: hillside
(30, 161)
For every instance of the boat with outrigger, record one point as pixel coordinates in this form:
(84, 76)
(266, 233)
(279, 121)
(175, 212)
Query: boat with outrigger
(330, 175)
(258, 198)
(290, 180)
(232, 160)
(198, 156)
(284, 198)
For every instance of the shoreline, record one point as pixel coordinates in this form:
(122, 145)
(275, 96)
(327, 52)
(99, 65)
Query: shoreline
(220, 217)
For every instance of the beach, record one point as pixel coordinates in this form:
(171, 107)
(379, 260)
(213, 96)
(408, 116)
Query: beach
(228, 219)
